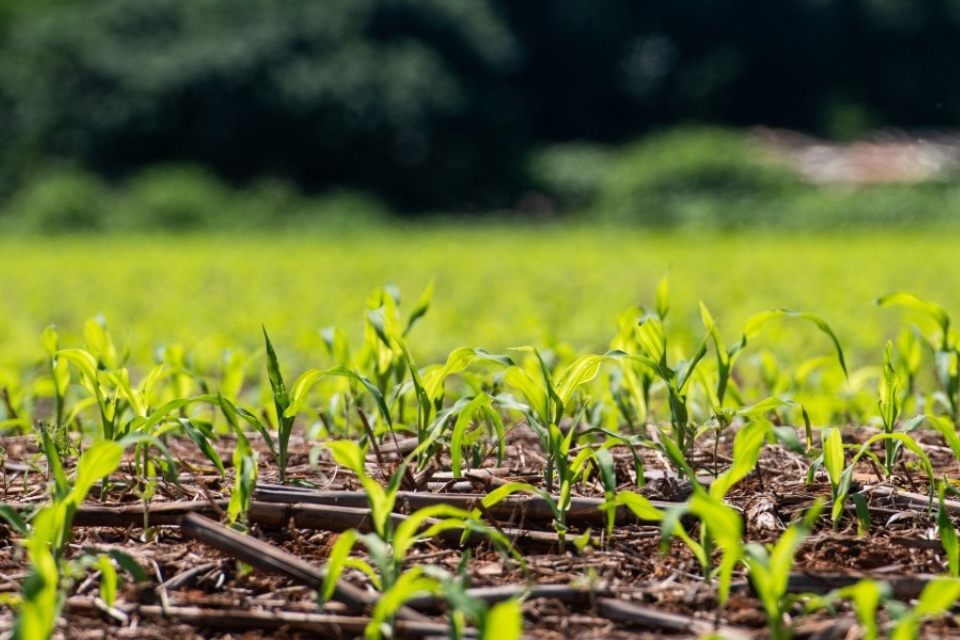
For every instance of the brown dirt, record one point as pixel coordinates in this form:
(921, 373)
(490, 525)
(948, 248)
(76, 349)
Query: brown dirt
(623, 586)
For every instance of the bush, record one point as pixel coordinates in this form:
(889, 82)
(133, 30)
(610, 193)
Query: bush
(690, 176)
(400, 97)
(181, 198)
(572, 175)
(61, 201)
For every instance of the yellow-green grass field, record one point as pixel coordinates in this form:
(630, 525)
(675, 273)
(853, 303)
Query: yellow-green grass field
(495, 286)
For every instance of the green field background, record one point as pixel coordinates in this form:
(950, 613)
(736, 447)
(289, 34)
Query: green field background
(495, 287)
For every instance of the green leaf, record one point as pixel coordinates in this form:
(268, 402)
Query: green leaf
(653, 341)
(128, 564)
(50, 340)
(336, 562)
(787, 436)
(948, 431)
(336, 342)
(948, 535)
(534, 394)
(108, 580)
(907, 442)
(420, 308)
(369, 386)
(203, 443)
(746, 454)
(411, 530)
(83, 360)
(457, 361)
(464, 420)
(677, 458)
(938, 597)
(97, 462)
(755, 323)
(911, 301)
(504, 621)
(581, 371)
(231, 411)
(14, 519)
(299, 389)
(639, 505)
(725, 526)
(833, 455)
(281, 401)
(54, 465)
(765, 406)
(863, 514)
(348, 453)
(866, 596)
(663, 297)
(510, 488)
(408, 585)
(889, 389)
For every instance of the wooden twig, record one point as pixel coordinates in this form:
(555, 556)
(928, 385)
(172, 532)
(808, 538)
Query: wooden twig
(582, 511)
(903, 588)
(917, 501)
(491, 595)
(318, 517)
(239, 620)
(267, 557)
(651, 618)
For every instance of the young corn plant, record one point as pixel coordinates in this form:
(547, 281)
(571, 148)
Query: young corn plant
(389, 545)
(653, 342)
(942, 344)
(289, 404)
(753, 327)
(548, 401)
(840, 474)
(281, 402)
(721, 527)
(866, 596)
(245, 468)
(948, 533)
(890, 403)
(48, 533)
(938, 597)
(769, 567)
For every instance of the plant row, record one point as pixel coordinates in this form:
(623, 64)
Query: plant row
(90, 411)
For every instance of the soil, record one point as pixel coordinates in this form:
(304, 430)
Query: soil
(628, 584)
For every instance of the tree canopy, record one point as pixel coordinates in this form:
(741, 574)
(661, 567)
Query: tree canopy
(438, 103)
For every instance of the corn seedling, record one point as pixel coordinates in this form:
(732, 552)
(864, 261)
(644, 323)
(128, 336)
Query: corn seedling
(946, 357)
(49, 531)
(389, 545)
(281, 402)
(937, 598)
(866, 596)
(890, 404)
(769, 570)
(841, 475)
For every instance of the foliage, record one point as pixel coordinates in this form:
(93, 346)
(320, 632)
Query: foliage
(105, 407)
(372, 94)
(769, 568)
(442, 104)
(671, 179)
(176, 199)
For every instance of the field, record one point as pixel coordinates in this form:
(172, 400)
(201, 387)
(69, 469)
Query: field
(495, 287)
(627, 471)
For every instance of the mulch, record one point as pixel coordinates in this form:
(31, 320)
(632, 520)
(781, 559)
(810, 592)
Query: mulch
(206, 581)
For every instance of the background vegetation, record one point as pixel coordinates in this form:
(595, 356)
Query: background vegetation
(495, 287)
(446, 106)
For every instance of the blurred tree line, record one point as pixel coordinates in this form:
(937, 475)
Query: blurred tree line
(438, 104)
